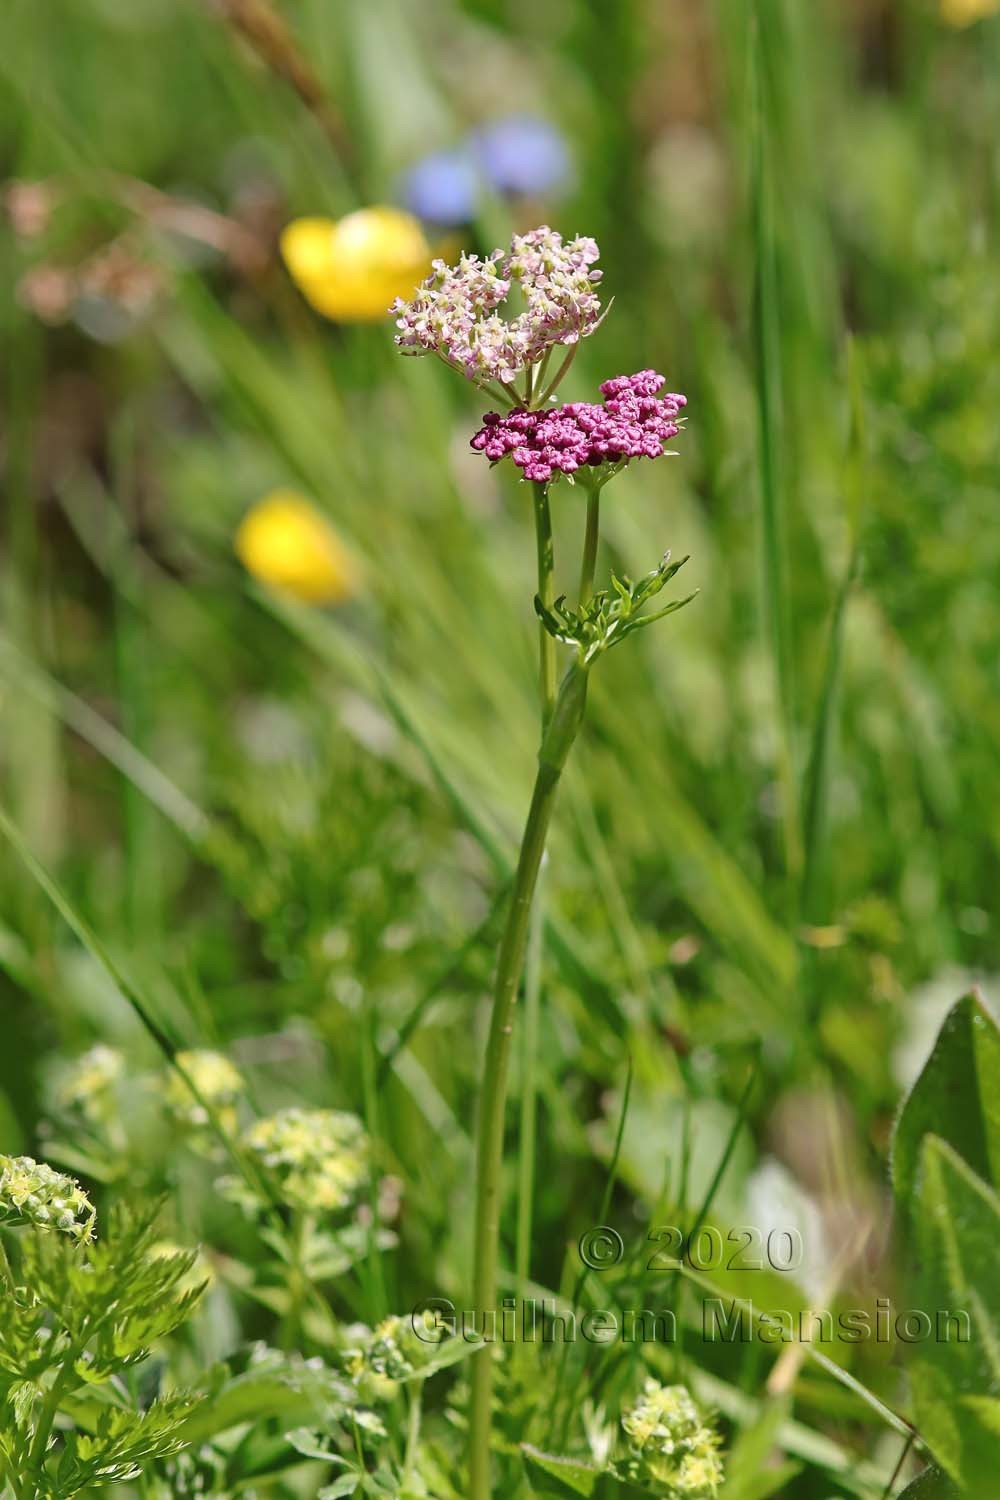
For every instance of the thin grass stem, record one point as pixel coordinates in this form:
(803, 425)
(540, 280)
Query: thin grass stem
(767, 354)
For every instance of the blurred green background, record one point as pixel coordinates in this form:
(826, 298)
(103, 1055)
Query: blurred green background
(292, 825)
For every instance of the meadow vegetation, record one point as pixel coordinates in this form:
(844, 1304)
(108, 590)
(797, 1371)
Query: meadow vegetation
(269, 685)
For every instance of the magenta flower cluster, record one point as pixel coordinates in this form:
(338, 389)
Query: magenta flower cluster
(635, 421)
(453, 313)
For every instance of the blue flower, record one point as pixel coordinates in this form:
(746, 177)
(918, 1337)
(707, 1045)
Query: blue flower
(521, 154)
(442, 188)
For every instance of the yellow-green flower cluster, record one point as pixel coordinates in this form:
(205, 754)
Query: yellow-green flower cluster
(672, 1447)
(33, 1193)
(218, 1084)
(88, 1084)
(317, 1158)
(380, 1358)
(966, 12)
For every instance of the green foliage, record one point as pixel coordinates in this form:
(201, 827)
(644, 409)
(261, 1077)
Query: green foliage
(122, 1445)
(946, 1155)
(955, 1375)
(292, 829)
(610, 615)
(957, 1096)
(77, 1317)
(570, 1474)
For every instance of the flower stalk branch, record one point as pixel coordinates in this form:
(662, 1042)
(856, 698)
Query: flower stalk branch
(546, 592)
(589, 546)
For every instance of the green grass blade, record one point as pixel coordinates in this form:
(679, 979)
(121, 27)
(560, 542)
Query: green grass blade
(582, 1274)
(767, 357)
(166, 1044)
(742, 1109)
(818, 772)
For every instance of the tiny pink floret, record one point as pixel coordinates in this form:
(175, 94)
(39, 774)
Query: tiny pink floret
(454, 312)
(633, 422)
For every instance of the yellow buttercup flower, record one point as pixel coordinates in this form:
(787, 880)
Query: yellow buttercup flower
(965, 12)
(286, 543)
(351, 269)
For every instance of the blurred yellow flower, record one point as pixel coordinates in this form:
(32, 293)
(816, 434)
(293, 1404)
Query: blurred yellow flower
(965, 12)
(286, 543)
(351, 269)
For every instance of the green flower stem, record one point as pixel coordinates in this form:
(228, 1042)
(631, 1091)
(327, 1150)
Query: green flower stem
(557, 741)
(6, 1271)
(541, 370)
(13, 1479)
(291, 1324)
(50, 1406)
(412, 1432)
(529, 1083)
(590, 544)
(546, 592)
(533, 970)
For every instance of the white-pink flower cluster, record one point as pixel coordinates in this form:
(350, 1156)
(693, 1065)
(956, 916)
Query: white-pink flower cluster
(454, 312)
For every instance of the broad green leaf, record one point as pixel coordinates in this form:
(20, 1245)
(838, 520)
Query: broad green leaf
(347, 1484)
(955, 1363)
(576, 1476)
(311, 1445)
(259, 1393)
(957, 1096)
(447, 1353)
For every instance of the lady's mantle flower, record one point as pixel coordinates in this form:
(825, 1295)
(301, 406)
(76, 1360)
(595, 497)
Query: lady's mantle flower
(88, 1083)
(379, 1359)
(454, 313)
(33, 1193)
(633, 422)
(965, 12)
(286, 543)
(352, 268)
(672, 1449)
(318, 1158)
(218, 1082)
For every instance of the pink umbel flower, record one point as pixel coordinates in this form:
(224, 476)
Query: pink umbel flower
(453, 313)
(634, 421)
